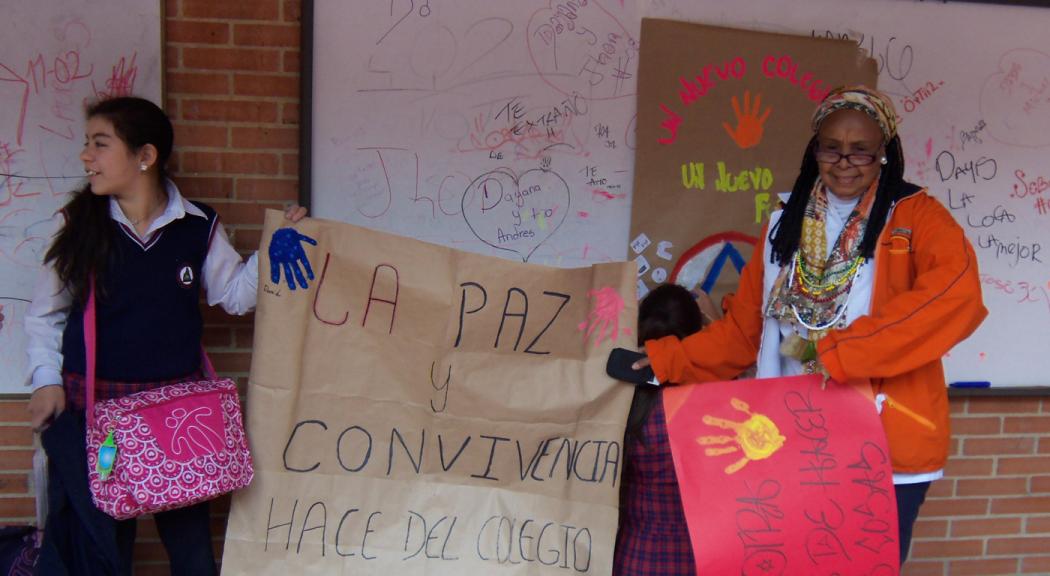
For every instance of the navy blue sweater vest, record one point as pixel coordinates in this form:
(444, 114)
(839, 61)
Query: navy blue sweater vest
(148, 319)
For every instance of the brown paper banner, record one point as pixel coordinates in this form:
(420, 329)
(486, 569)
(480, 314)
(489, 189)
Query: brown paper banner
(418, 410)
(723, 120)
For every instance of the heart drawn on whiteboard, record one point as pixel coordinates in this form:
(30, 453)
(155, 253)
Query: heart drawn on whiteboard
(516, 213)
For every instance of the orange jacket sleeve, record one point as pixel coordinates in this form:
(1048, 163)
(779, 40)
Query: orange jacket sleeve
(723, 349)
(912, 326)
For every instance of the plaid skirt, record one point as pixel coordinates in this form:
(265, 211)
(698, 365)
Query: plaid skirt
(653, 539)
(75, 387)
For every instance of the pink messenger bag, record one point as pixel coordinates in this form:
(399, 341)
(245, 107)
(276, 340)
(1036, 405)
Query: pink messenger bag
(166, 448)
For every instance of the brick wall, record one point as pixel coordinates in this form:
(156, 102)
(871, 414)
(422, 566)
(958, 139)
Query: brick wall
(232, 90)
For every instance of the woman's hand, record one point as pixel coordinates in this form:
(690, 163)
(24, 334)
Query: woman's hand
(46, 403)
(295, 213)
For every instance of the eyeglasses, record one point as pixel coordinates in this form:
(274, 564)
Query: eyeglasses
(855, 159)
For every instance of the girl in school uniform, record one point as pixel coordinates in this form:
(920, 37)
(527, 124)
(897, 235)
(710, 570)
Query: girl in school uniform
(653, 538)
(151, 252)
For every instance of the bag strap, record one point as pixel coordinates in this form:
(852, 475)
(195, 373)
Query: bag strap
(89, 344)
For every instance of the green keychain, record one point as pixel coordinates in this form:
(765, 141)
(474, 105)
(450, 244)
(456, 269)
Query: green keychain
(107, 455)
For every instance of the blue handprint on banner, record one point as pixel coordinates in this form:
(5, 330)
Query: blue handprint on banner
(286, 251)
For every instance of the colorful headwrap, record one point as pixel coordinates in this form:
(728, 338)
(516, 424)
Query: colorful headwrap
(871, 102)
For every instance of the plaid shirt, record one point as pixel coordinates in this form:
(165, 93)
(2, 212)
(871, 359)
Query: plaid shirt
(653, 538)
(74, 386)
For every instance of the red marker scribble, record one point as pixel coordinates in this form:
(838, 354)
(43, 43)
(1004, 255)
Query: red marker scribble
(121, 81)
(671, 123)
(603, 321)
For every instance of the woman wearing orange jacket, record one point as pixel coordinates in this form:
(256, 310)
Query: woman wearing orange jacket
(860, 275)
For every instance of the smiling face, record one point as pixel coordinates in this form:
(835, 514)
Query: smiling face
(849, 132)
(111, 166)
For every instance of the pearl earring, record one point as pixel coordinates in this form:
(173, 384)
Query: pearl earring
(883, 160)
(143, 167)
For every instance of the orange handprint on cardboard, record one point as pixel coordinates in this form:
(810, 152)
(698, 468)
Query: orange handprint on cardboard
(750, 127)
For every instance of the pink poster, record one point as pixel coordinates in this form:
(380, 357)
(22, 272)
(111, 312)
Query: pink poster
(781, 477)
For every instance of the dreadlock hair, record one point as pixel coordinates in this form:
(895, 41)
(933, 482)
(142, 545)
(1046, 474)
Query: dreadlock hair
(84, 244)
(668, 310)
(785, 235)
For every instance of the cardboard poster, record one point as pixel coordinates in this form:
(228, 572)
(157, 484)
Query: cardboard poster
(779, 477)
(723, 121)
(417, 410)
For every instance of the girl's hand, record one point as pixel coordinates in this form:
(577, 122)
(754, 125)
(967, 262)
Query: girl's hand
(46, 403)
(641, 363)
(295, 213)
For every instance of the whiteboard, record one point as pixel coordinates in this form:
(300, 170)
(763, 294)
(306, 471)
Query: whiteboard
(54, 56)
(424, 109)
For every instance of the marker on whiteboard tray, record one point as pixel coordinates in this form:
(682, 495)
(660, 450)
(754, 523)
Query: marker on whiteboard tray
(971, 384)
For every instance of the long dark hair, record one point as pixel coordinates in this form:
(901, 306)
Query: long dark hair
(785, 235)
(84, 244)
(668, 310)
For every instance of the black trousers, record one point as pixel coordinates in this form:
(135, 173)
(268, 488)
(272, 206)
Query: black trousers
(186, 535)
(909, 499)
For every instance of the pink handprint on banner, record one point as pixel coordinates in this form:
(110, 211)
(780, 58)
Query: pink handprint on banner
(603, 321)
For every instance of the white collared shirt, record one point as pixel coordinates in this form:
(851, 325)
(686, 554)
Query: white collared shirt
(227, 280)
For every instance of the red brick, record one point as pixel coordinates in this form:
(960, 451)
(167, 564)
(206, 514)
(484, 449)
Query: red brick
(253, 10)
(1037, 525)
(17, 435)
(14, 411)
(930, 528)
(957, 406)
(247, 239)
(955, 507)
(1035, 565)
(1014, 546)
(215, 315)
(1032, 465)
(957, 467)
(948, 548)
(17, 507)
(11, 460)
(969, 426)
(998, 446)
(197, 83)
(291, 61)
(196, 32)
(16, 483)
(226, 362)
(266, 137)
(266, 85)
(248, 59)
(290, 113)
(1026, 425)
(244, 212)
(283, 190)
(205, 187)
(279, 35)
(171, 58)
(171, 9)
(1044, 445)
(230, 111)
(243, 337)
(290, 164)
(1040, 484)
(942, 489)
(992, 487)
(963, 528)
(919, 568)
(998, 405)
(1001, 506)
(216, 337)
(203, 135)
(249, 163)
(983, 567)
(192, 161)
(292, 11)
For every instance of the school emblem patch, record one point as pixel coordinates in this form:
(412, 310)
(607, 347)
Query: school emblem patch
(186, 276)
